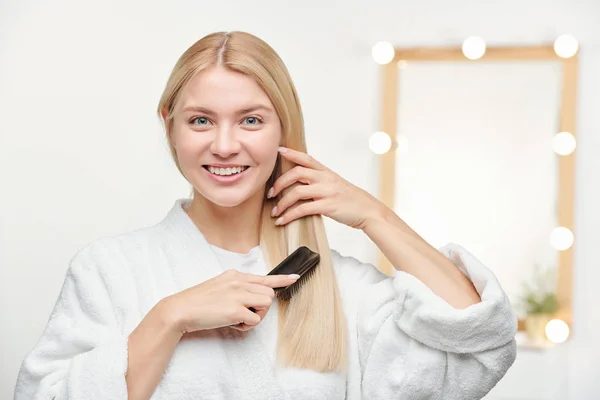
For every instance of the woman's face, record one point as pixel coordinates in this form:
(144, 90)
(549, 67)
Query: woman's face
(226, 134)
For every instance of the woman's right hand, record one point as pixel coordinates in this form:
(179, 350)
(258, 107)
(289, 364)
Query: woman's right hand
(225, 301)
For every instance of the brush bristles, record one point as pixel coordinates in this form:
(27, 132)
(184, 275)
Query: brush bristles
(287, 293)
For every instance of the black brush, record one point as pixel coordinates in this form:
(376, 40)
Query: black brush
(301, 262)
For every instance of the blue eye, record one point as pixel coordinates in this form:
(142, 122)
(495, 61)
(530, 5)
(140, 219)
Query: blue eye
(200, 121)
(252, 120)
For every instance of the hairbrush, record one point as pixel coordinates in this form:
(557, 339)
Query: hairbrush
(302, 262)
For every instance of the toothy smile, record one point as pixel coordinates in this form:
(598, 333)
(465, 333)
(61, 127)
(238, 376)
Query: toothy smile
(225, 171)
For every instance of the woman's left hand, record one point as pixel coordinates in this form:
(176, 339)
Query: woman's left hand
(331, 195)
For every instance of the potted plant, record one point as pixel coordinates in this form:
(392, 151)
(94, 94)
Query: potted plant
(539, 302)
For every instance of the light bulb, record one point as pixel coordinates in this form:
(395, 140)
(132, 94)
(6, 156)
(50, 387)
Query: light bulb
(564, 143)
(557, 331)
(566, 46)
(561, 238)
(473, 47)
(383, 52)
(380, 142)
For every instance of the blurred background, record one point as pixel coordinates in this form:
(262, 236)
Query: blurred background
(474, 146)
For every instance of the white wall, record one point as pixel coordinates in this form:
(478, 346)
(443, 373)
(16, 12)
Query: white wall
(82, 155)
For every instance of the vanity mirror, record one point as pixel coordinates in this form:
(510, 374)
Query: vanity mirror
(482, 153)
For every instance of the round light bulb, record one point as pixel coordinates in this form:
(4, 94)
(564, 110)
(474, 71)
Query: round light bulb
(473, 47)
(566, 46)
(564, 143)
(380, 142)
(561, 238)
(557, 331)
(383, 52)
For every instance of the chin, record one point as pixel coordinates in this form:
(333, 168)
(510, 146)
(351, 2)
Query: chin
(225, 201)
(229, 197)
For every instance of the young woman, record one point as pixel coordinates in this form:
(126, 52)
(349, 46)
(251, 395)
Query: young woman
(163, 312)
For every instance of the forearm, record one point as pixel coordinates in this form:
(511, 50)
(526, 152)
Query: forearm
(410, 253)
(151, 346)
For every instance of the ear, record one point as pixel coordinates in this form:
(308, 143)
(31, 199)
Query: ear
(163, 114)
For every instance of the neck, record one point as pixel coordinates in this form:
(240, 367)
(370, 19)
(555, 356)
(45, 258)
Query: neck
(235, 229)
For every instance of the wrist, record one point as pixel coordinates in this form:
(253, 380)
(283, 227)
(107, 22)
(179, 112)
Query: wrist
(375, 216)
(170, 315)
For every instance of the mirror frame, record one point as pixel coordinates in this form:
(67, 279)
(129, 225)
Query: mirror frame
(566, 164)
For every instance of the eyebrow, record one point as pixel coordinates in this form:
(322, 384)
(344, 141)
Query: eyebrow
(246, 110)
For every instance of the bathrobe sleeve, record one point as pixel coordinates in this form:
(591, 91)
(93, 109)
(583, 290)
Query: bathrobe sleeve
(81, 353)
(414, 345)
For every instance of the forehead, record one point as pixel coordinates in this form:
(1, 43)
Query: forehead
(222, 89)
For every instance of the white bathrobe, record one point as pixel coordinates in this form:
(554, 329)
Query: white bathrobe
(405, 342)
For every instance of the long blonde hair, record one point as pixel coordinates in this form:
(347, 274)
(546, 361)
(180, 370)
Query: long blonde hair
(312, 325)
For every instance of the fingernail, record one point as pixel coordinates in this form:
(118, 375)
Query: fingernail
(270, 194)
(279, 221)
(274, 211)
(294, 276)
(282, 149)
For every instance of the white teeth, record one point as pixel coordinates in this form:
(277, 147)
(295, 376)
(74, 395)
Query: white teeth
(226, 171)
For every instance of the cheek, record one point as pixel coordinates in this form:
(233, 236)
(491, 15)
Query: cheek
(265, 148)
(189, 146)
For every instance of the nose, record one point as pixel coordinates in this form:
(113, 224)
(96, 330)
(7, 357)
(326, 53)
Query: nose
(225, 143)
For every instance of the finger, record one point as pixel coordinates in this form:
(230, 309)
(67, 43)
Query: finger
(242, 327)
(261, 289)
(246, 317)
(256, 301)
(302, 210)
(288, 178)
(304, 192)
(262, 313)
(300, 158)
(272, 281)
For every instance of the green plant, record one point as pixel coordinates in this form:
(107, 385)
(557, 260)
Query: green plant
(536, 304)
(539, 295)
